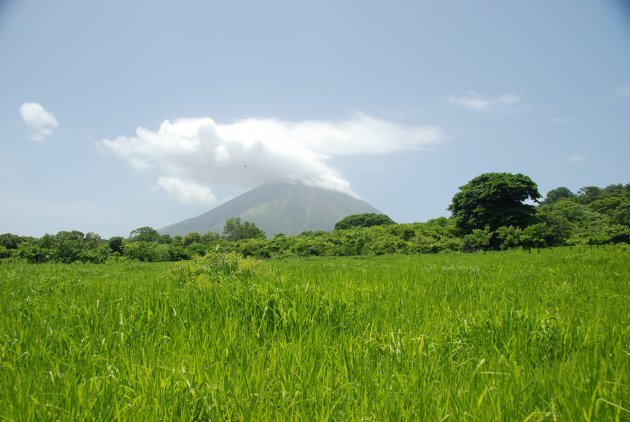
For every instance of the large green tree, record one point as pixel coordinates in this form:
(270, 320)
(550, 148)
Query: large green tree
(144, 234)
(494, 200)
(557, 194)
(234, 229)
(363, 220)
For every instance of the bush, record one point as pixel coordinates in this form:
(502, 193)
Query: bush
(536, 236)
(217, 267)
(508, 237)
(478, 240)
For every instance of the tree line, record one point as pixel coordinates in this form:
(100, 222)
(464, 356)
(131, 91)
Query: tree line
(494, 211)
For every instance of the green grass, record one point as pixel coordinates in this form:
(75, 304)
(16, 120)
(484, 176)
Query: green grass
(496, 336)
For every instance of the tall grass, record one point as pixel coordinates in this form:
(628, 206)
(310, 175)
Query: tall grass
(497, 336)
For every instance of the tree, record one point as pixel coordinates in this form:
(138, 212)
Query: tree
(494, 200)
(535, 236)
(363, 220)
(235, 230)
(68, 246)
(616, 206)
(509, 237)
(560, 217)
(116, 244)
(588, 194)
(144, 234)
(192, 237)
(210, 237)
(10, 241)
(557, 194)
(93, 240)
(9, 244)
(477, 240)
(32, 252)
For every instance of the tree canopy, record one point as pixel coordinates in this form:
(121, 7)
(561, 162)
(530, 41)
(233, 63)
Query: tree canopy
(494, 200)
(235, 230)
(145, 234)
(557, 194)
(363, 220)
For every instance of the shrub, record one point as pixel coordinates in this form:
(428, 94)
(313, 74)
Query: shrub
(217, 267)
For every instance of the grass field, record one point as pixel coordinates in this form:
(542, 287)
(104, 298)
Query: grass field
(496, 336)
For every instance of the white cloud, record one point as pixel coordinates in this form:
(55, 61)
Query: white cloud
(189, 192)
(193, 156)
(575, 158)
(40, 121)
(361, 135)
(477, 102)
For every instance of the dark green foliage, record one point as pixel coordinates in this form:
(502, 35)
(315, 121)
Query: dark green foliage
(254, 247)
(536, 236)
(613, 201)
(210, 237)
(363, 220)
(179, 253)
(145, 234)
(494, 200)
(595, 216)
(508, 237)
(33, 253)
(478, 240)
(65, 247)
(618, 233)
(235, 230)
(191, 238)
(116, 244)
(557, 194)
(588, 194)
(9, 244)
(165, 238)
(196, 249)
(147, 251)
(11, 241)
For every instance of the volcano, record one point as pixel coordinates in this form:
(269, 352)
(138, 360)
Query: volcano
(276, 208)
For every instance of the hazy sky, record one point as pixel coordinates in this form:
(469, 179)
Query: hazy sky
(121, 114)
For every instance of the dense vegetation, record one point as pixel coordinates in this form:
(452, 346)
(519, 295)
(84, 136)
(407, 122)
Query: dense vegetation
(592, 216)
(363, 220)
(496, 336)
(494, 200)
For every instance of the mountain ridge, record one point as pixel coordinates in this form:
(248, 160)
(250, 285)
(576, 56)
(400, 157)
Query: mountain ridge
(288, 208)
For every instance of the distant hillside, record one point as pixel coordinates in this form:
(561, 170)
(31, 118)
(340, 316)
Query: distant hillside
(278, 208)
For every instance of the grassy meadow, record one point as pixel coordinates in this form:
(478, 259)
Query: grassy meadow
(496, 336)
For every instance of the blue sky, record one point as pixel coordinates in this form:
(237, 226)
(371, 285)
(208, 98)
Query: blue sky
(399, 102)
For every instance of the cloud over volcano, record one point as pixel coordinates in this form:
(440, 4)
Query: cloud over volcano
(193, 156)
